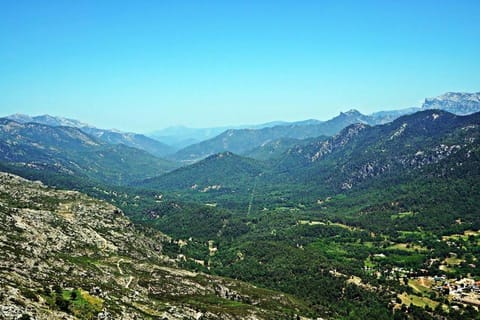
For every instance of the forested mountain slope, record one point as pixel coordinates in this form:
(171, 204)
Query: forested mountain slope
(70, 151)
(114, 137)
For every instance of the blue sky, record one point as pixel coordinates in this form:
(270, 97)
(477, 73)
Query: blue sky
(144, 65)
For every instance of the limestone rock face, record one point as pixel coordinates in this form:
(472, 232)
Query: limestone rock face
(460, 103)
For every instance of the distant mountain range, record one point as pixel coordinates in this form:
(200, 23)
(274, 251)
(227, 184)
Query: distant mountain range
(181, 136)
(71, 151)
(244, 141)
(114, 137)
(261, 141)
(432, 140)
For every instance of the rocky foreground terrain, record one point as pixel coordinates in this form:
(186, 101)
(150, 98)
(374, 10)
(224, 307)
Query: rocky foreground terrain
(64, 255)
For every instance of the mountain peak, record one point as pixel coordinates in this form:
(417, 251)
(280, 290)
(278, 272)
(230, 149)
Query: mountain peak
(352, 112)
(49, 120)
(461, 103)
(459, 96)
(220, 155)
(20, 117)
(350, 116)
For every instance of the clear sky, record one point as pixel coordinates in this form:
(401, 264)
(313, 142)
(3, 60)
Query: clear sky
(143, 65)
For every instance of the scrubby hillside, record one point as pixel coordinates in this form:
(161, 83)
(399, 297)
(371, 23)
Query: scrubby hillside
(67, 256)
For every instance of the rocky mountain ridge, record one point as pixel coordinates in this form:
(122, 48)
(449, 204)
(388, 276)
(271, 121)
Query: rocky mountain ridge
(191, 144)
(113, 137)
(244, 141)
(71, 151)
(460, 103)
(411, 142)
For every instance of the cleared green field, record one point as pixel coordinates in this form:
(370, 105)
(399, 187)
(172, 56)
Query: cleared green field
(422, 302)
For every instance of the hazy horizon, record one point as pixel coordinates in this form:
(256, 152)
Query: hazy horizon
(215, 64)
(225, 125)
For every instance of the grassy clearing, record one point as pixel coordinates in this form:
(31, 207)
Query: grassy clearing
(336, 224)
(369, 263)
(402, 215)
(422, 302)
(412, 233)
(445, 268)
(421, 285)
(409, 247)
(341, 225)
(453, 261)
(85, 304)
(368, 244)
(329, 249)
(472, 233)
(77, 302)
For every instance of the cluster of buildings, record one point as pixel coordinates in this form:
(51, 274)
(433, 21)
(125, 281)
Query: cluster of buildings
(464, 290)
